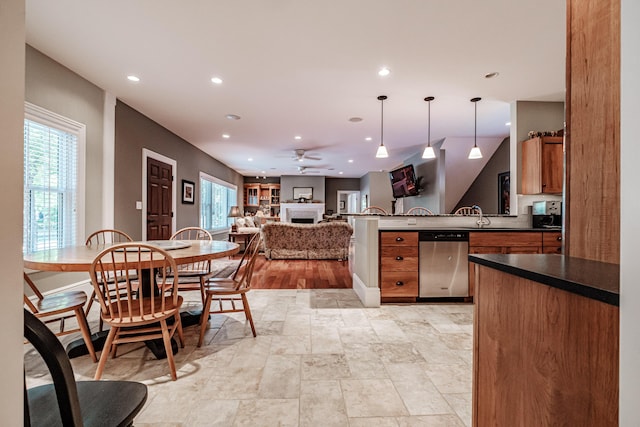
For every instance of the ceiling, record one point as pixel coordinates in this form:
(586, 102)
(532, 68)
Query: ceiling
(304, 68)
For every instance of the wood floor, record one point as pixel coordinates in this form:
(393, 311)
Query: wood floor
(300, 274)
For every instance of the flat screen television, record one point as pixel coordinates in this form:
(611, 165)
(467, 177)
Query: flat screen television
(404, 182)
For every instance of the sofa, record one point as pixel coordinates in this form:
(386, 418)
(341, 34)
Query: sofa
(248, 224)
(327, 240)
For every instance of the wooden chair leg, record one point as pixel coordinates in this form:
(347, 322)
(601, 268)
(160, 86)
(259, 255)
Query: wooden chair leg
(105, 353)
(204, 318)
(178, 323)
(86, 332)
(166, 337)
(247, 313)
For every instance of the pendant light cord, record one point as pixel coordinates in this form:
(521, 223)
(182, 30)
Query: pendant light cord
(475, 124)
(381, 121)
(429, 126)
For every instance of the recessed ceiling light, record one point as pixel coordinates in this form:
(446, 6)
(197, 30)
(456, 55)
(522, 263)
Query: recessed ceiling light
(355, 119)
(384, 71)
(368, 138)
(133, 78)
(508, 124)
(216, 80)
(491, 75)
(225, 135)
(298, 137)
(232, 117)
(340, 173)
(263, 172)
(250, 159)
(350, 160)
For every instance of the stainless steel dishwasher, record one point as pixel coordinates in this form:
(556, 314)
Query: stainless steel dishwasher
(444, 267)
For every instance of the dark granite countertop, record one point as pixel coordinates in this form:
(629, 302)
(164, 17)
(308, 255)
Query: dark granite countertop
(591, 279)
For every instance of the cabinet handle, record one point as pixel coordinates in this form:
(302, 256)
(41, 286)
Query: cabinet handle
(559, 238)
(399, 283)
(399, 258)
(399, 239)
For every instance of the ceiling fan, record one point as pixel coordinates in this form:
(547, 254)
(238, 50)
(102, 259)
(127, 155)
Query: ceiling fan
(306, 169)
(301, 155)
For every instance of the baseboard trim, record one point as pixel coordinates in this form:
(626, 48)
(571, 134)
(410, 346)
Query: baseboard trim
(370, 297)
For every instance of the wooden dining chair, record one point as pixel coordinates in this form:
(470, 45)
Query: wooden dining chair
(133, 313)
(417, 210)
(374, 210)
(192, 276)
(467, 210)
(67, 402)
(101, 238)
(58, 307)
(230, 293)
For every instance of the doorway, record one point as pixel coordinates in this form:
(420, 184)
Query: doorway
(348, 202)
(158, 196)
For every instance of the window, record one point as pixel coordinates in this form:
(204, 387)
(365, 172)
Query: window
(53, 180)
(216, 197)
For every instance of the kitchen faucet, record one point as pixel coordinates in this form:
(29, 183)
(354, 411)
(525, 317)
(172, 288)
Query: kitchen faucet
(481, 221)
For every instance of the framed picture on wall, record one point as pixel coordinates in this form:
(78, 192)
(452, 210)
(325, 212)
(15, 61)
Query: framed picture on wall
(188, 191)
(342, 207)
(504, 192)
(303, 193)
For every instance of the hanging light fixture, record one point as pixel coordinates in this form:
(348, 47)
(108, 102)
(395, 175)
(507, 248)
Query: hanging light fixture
(428, 150)
(475, 151)
(382, 150)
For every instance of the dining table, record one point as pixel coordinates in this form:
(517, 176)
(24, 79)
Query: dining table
(79, 258)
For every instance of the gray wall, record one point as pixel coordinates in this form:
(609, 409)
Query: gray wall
(427, 170)
(287, 182)
(134, 131)
(375, 188)
(54, 87)
(484, 190)
(50, 85)
(333, 185)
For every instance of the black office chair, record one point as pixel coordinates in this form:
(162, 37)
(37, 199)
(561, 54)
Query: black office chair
(70, 403)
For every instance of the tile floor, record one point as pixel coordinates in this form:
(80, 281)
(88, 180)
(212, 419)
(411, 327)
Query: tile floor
(320, 359)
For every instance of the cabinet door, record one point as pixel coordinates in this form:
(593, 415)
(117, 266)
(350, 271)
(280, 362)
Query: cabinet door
(531, 166)
(552, 167)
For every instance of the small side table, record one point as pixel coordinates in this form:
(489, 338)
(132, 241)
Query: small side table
(236, 237)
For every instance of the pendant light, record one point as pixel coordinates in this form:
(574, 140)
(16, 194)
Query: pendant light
(475, 151)
(382, 150)
(428, 150)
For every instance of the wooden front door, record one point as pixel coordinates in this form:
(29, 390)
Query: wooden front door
(159, 200)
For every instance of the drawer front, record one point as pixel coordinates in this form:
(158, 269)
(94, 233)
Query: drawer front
(498, 238)
(399, 284)
(553, 239)
(399, 262)
(399, 238)
(552, 250)
(403, 251)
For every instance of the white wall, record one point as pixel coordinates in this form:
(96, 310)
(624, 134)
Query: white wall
(629, 207)
(12, 58)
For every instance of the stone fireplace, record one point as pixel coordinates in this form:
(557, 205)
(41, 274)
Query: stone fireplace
(309, 213)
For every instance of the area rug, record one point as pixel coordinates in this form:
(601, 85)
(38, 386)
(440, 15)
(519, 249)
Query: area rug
(224, 267)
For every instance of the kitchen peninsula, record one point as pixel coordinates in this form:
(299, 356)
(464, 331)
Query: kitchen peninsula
(386, 255)
(546, 334)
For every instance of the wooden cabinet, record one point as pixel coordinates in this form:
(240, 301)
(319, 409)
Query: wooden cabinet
(552, 242)
(542, 165)
(252, 194)
(399, 264)
(502, 242)
(262, 195)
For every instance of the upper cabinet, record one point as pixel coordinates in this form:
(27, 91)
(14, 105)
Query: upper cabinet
(542, 165)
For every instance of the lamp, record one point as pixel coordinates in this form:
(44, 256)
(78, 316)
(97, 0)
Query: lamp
(475, 151)
(382, 150)
(428, 150)
(234, 212)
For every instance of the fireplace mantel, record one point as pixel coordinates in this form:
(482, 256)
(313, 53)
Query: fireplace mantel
(301, 210)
